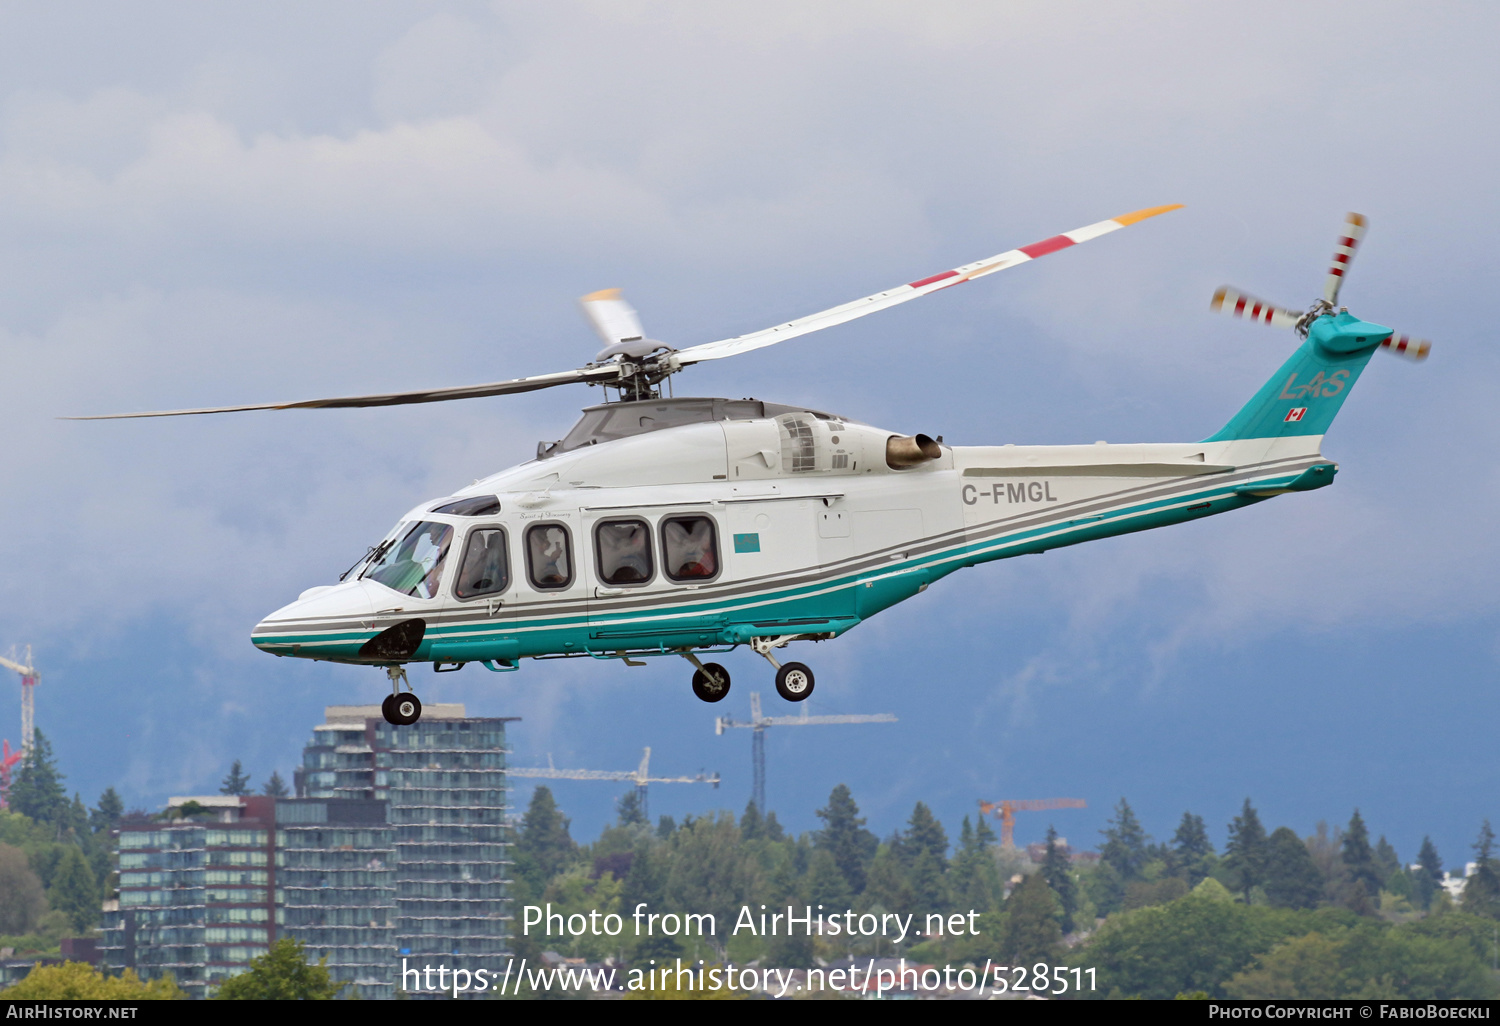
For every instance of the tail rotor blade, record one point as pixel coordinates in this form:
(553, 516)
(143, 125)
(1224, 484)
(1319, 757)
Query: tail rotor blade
(1404, 345)
(1241, 304)
(1343, 255)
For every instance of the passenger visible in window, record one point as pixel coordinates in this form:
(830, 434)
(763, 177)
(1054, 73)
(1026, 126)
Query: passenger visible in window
(689, 548)
(624, 548)
(485, 570)
(550, 564)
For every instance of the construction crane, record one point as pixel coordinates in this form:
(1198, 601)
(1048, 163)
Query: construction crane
(1006, 813)
(29, 677)
(8, 760)
(758, 724)
(641, 775)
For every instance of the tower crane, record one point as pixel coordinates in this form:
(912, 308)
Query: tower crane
(758, 724)
(1006, 812)
(29, 677)
(641, 775)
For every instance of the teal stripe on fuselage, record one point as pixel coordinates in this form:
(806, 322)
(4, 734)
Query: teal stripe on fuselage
(839, 603)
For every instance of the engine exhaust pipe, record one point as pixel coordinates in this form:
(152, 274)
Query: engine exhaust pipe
(902, 451)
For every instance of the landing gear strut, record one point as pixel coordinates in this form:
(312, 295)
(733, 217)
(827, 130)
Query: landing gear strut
(710, 680)
(794, 681)
(401, 710)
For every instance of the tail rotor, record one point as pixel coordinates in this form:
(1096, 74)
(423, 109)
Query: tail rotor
(1241, 304)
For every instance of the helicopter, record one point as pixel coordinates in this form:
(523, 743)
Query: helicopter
(688, 527)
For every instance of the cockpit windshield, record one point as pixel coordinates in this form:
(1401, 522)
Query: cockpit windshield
(414, 565)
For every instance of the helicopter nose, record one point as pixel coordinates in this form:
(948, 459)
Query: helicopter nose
(319, 624)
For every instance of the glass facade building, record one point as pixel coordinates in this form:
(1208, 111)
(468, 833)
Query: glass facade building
(204, 892)
(444, 780)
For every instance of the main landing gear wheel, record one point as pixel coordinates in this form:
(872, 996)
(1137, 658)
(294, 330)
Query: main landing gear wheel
(711, 682)
(401, 710)
(794, 681)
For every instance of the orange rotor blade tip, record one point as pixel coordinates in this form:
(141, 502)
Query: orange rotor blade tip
(1141, 215)
(1218, 301)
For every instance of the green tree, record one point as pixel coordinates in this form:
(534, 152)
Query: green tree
(924, 851)
(105, 816)
(1193, 944)
(646, 880)
(1359, 861)
(21, 899)
(1031, 932)
(752, 824)
(1245, 854)
(74, 890)
(281, 974)
(544, 847)
(1057, 870)
(79, 981)
(275, 787)
(1303, 968)
(1386, 861)
(845, 838)
(705, 874)
(826, 883)
(1428, 876)
(1191, 855)
(629, 810)
(1125, 844)
(237, 782)
(887, 884)
(1292, 879)
(36, 790)
(973, 878)
(1482, 889)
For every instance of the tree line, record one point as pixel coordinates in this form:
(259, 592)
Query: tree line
(1272, 915)
(55, 855)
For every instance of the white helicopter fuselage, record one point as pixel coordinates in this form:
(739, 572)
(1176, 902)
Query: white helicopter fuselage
(803, 528)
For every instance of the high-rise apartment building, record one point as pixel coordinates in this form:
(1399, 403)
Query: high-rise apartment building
(219, 878)
(444, 780)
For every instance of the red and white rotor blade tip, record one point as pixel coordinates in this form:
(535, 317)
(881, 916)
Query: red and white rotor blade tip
(1343, 255)
(913, 289)
(1404, 345)
(1240, 304)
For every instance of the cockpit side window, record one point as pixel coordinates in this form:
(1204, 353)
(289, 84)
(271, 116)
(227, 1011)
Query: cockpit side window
(485, 569)
(414, 565)
(624, 552)
(690, 548)
(549, 556)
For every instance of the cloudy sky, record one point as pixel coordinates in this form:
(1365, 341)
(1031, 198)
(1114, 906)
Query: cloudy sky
(215, 204)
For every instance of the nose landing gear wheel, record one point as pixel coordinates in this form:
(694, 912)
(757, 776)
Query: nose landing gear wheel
(711, 682)
(401, 710)
(794, 681)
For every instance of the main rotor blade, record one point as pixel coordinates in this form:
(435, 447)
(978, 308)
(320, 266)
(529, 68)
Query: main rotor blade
(911, 290)
(613, 319)
(1343, 254)
(1242, 304)
(433, 395)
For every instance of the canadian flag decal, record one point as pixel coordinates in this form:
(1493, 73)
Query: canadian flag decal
(1294, 414)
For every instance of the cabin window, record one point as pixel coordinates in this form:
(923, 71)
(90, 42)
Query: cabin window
(549, 556)
(477, 506)
(624, 551)
(414, 565)
(690, 548)
(485, 570)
